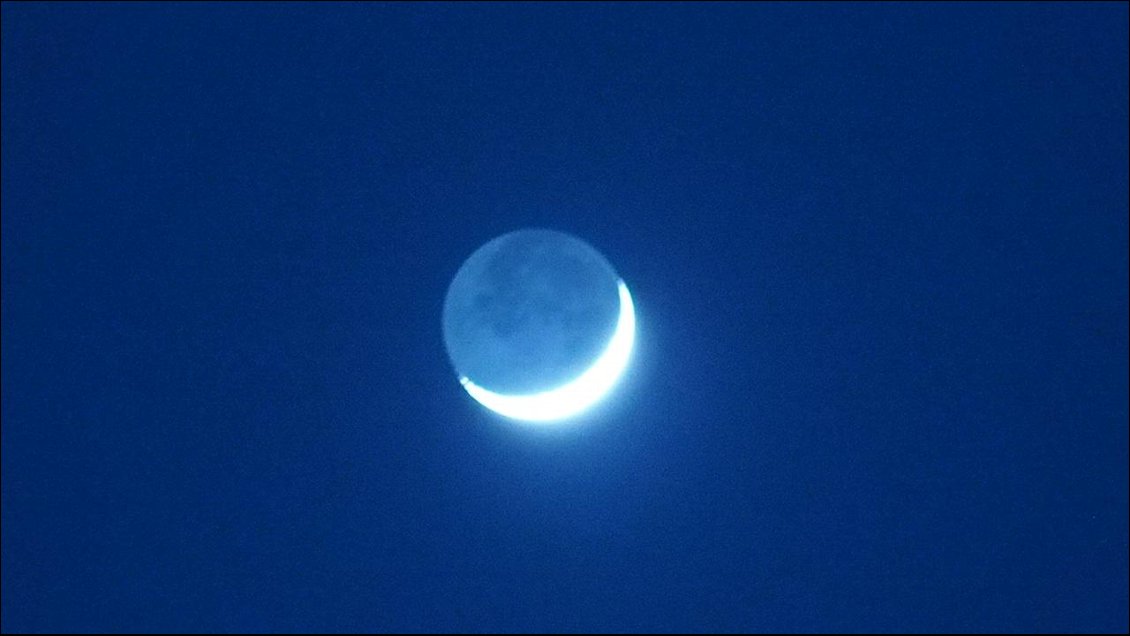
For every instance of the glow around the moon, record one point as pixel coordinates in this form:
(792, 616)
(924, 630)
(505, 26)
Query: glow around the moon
(577, 395)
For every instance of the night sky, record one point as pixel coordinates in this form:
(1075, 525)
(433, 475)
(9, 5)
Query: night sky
(878, 255)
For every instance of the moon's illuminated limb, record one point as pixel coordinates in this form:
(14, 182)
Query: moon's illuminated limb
(576, 396)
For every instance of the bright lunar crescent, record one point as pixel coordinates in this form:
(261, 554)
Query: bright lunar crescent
(538, 325)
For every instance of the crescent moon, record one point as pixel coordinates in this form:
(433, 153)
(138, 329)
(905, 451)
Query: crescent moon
(578, 394)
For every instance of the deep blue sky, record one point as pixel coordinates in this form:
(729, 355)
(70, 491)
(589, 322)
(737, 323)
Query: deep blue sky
(879, 254)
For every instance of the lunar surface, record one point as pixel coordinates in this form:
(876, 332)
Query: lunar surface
(538, 325)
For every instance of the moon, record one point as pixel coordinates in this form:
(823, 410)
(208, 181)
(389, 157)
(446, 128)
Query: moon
(538, 326)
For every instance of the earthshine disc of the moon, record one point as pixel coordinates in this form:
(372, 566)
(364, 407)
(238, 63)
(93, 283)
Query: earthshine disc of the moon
(538, 325)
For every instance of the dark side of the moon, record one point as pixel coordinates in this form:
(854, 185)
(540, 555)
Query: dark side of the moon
(530, 311)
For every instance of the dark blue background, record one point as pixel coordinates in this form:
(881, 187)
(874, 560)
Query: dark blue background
(879, 254)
